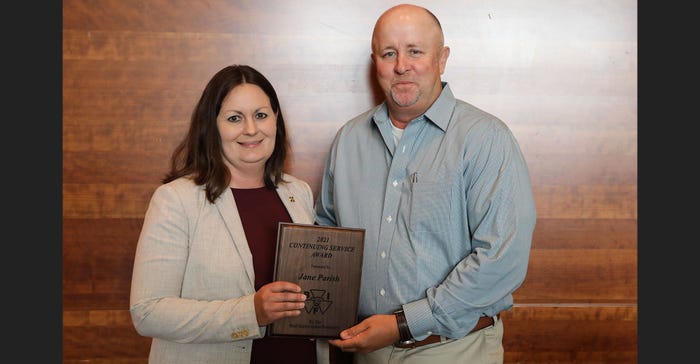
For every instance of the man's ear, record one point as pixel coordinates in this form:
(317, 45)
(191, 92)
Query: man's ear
(444, 54)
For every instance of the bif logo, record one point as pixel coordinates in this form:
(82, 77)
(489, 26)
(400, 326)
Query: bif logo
(317, 301)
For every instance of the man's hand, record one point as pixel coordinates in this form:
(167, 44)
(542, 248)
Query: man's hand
(374, 332)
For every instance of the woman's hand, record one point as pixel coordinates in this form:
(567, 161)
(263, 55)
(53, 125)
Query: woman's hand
(276, 300)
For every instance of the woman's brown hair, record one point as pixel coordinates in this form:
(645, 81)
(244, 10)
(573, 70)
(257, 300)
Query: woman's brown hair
(199, 154)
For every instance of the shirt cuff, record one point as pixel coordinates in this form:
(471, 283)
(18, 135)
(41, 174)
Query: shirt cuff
(420, 319)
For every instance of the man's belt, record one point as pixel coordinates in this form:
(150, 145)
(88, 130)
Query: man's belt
(484, 322)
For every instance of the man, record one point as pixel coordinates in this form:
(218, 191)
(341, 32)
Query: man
(443, 192)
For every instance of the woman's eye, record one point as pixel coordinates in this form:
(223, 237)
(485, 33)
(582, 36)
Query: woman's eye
(260, 115)
(234, 118)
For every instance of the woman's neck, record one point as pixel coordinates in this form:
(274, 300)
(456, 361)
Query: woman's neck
(242, 180)
(247, 176)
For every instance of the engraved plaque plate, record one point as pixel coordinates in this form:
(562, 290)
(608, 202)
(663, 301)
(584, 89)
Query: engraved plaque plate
(327, 263)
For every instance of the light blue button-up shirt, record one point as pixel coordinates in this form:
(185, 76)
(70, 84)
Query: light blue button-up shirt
(448, 213)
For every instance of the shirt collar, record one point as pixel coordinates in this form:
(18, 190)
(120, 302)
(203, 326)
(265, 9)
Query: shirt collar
(439, 112)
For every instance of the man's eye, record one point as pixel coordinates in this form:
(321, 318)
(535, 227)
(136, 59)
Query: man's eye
(388, 54)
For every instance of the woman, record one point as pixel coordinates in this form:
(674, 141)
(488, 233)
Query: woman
(202, 282)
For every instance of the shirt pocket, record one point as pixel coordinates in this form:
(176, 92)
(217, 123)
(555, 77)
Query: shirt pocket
(430, 207)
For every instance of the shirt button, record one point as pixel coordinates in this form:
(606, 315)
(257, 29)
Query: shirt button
(395, 183)
(382, 292)
(388, 218)
(383, 255)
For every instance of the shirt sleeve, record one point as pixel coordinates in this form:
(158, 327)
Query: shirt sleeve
(501, 218)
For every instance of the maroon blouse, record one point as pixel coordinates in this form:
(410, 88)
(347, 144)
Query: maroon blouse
(261, 210)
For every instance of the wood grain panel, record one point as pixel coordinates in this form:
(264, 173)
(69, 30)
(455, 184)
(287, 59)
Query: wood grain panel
(111, 342)
(98, 256)
(310, 19)
(585, 234)
(96, 45)
(109, 360)
(586, 202)
(130, 200)
(561, 74)
(144, 147)
(594, 328)
(562, 334)
(580, 275)
(571, 334)
(105, 200)
(98, 106)
(160, 96)
(586, 169)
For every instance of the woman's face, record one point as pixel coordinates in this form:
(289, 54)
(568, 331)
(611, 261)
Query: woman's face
(248, 127)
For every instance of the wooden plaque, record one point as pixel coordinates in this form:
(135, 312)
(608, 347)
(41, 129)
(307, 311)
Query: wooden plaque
(326, 262)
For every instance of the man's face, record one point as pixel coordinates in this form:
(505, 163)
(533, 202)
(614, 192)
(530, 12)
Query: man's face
(409, 57)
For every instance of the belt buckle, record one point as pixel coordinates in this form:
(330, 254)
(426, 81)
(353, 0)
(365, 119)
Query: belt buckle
(408, 344)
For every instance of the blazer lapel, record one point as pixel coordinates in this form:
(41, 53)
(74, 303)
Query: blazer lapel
(226, 205)
(294, 207)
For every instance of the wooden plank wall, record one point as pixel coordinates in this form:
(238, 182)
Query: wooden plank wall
(561, 73)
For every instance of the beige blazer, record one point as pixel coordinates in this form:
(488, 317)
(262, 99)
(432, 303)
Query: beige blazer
(193, 281)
